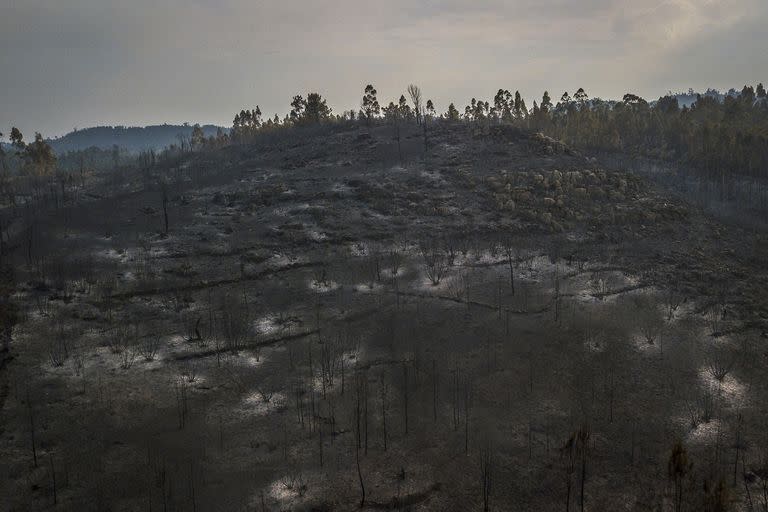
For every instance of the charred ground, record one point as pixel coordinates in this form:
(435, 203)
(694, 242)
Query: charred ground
(329, 318)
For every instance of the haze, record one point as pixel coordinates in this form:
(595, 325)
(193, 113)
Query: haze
(71, 63)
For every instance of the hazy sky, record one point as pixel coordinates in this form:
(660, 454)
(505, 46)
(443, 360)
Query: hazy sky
(67, 63)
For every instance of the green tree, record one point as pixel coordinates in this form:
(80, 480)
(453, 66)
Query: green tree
(371, 108)
(501, 105)
(316, 110)
(520, 110)
(17, 139)
(298, 106)
(581, 97)
(198, 137)
(429, 110)
(405, 109)
(39, 158)
(546, 103)
(452, 114)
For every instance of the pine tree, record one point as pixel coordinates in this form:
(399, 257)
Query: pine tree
(452, 114)
(430, 109)
(316, 110)
(546, 103)
(371, 108)
(298, 105)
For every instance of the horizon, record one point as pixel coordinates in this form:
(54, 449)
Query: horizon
(96, 63)
(228, 125)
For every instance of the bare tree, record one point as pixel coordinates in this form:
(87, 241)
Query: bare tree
(719, 366)
(678, 468)
(486, 465)
(435, 262)
(415, 93)
(384, 395)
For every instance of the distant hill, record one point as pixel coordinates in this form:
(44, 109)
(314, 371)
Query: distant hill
(131, 139)
(686, 99)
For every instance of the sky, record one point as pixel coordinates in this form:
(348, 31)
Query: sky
(80, 63)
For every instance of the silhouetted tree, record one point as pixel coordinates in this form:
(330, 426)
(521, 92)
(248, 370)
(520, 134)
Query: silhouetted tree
(371, 108)
(415, 93)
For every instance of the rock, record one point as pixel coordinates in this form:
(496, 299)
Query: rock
(549, 202)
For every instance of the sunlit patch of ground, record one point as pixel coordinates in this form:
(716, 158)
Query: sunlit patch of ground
(286, 491)
(730, 390)
(267, 325)
(705, 433)
(274, 325)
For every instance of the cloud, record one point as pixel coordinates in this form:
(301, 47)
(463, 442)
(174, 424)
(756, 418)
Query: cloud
(83, 62)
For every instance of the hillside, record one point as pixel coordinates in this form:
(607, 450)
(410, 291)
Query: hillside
(328, 315)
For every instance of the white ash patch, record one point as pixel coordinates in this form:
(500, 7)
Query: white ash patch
(316, 236)
(266, 325)
(121, 255)
(369, 287)
(484, 257)
(189, 377)
(271, 325)
(730, 390)
(358, 249)
(279, 260)
(705, 433)
(252, 361)
(281, 211)
(341, 188)
(640, 343)
(323, 286)
(446, 285)
(257, 404)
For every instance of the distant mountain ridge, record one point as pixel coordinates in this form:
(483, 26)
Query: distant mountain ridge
(686, 99)
(132, 139)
